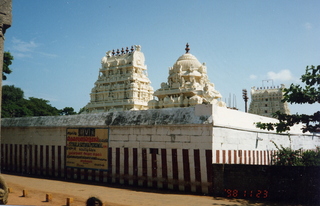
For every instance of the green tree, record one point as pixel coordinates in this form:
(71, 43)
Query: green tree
(7, 61)
(83, 109)
(311, 158)
(15, 105)
(67, 111)
(41, 107)
(297, 94)
(13, 102)
(286, 156)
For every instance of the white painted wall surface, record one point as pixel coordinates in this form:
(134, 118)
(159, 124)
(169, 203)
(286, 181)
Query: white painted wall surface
(180, 128)
(201, 127)
(166, 136)
(235, 130)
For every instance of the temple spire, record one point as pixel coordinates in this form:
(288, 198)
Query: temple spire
(187, 48)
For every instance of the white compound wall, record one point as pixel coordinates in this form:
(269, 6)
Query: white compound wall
(167, 148)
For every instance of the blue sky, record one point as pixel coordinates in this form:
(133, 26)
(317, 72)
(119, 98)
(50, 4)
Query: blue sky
(57, 45)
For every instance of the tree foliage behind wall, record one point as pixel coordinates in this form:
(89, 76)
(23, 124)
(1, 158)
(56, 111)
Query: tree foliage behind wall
(309, 93)
(15, 105)
(286, 156)
(67, 111)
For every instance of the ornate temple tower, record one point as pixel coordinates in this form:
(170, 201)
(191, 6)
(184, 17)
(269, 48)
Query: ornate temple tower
(188, 85)
(266, 101)
(122, 83)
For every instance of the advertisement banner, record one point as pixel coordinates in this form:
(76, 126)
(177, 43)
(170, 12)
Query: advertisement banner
(87, 148)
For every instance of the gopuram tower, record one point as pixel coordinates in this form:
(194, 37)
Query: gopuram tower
(188, 85)
(122, 82)
(266, 101)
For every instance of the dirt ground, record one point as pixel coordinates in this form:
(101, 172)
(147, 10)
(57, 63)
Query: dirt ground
(37, 189)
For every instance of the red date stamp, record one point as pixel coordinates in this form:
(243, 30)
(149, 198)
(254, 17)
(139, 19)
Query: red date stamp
(247, 193)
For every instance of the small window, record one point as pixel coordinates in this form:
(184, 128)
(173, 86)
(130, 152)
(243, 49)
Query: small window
(266, 99)
(265, 111)
(266, 105)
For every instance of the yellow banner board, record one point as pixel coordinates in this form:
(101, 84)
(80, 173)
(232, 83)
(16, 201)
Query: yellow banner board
(87, 148)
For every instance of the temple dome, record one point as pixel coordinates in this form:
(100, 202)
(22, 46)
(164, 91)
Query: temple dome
(187, 60)
(187, 85)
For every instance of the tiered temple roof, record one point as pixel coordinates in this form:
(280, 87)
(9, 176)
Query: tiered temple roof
(122, 82)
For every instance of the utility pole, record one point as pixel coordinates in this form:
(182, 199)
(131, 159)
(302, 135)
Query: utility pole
(245, 98)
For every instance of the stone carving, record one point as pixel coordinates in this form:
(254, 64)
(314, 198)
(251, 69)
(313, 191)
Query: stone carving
(138, 47)
(122, 84)
(187, 85)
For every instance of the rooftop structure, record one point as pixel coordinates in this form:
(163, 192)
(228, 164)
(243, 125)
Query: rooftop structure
(122, 82)
(266, 101)
(188, 85)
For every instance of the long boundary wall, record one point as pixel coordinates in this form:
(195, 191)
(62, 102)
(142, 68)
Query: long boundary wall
(168, 148)
(236, 140)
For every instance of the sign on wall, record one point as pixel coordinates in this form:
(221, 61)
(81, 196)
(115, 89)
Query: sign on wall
(87, 148)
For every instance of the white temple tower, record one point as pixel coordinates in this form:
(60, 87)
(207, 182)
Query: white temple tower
(122, 83)
(188, 85)
(266, 101)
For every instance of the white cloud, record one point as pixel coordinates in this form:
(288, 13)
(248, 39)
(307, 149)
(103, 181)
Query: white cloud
(47, 54)
(252, 76)
(283, 75)
(26, 49)
(21, 46)
(308, 26)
